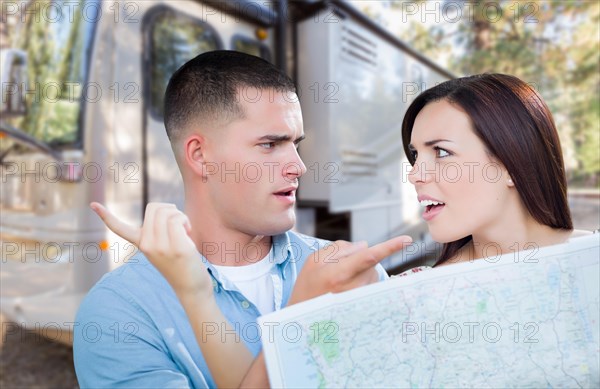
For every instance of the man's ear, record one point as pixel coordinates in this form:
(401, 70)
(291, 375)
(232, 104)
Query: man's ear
(194, 154)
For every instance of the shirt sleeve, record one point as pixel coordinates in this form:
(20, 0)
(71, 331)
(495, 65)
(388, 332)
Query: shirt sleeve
(117, 345)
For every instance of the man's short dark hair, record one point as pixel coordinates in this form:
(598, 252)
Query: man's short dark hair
(205, 89)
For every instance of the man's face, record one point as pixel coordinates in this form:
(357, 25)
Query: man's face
(253, 164)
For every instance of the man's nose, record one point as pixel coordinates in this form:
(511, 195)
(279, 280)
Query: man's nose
(294, 168)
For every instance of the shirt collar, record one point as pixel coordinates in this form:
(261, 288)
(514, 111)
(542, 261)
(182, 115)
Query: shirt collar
(282, 252)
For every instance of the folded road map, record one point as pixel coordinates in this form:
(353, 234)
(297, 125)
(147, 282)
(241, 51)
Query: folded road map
(524, 319)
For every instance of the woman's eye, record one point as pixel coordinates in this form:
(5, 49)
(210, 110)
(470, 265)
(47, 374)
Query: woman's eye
(414, 155)
(441, 153)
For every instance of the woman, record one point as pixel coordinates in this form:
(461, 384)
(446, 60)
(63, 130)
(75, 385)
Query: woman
(487, 166)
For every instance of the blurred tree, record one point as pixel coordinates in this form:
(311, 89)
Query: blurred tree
(554, 45)
(55, 47)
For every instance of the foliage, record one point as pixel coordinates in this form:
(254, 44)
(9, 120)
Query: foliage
(554, 45)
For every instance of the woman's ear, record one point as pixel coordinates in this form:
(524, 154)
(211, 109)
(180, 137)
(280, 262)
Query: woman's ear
(506, 176)
(194, 154)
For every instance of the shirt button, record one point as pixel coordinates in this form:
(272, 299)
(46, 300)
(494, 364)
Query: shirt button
(245, 304)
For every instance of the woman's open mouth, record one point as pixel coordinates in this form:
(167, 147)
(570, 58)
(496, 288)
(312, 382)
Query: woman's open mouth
(432, 208)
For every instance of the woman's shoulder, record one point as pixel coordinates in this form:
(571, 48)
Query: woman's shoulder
(579, 233)
(412, 271)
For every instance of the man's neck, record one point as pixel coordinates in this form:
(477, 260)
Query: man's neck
(226, 247)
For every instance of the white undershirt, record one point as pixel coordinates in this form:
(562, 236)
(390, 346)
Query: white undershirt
(254, 281)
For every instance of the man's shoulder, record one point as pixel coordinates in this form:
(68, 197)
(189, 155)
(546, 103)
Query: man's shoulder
(130, 284)
(132, 331)
(136, 269)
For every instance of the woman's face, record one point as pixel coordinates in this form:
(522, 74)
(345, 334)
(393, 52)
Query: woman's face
(463, 189)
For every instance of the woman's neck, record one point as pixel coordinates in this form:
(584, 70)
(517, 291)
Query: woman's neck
(483, 246)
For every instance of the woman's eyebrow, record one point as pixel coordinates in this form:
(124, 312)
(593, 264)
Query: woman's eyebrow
(429, 143)
(432, 142)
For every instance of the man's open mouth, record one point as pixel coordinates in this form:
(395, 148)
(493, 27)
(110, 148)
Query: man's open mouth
(287, 193)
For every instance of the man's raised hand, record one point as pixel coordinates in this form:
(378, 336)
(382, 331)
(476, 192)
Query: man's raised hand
(342, 266)
(164, 239)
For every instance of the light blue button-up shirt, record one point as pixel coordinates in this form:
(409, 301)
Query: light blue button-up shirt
(131, 330)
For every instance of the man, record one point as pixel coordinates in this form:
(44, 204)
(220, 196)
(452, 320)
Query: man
(234, 123)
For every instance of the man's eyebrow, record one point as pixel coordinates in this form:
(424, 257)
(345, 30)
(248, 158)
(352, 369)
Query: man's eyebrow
(429, 143)
(280, 138)
(275, 138)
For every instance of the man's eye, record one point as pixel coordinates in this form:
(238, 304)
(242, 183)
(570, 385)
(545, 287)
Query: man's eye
(441, 153)
(268, 145)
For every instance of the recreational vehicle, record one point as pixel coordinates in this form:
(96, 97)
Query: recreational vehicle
(82, 120)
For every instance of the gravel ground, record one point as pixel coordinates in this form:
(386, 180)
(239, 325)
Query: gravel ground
(30, 361)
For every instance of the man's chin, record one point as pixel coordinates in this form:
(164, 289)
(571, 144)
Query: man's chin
(278, 226)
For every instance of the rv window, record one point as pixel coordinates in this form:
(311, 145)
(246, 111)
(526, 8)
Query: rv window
(57, 49)
(250, 46)
(175, 38)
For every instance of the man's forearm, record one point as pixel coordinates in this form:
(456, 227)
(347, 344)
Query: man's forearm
(257, 375)
(227, 359)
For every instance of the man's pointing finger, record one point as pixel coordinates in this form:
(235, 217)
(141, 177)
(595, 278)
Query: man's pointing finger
(125, 231)
(367, 258)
